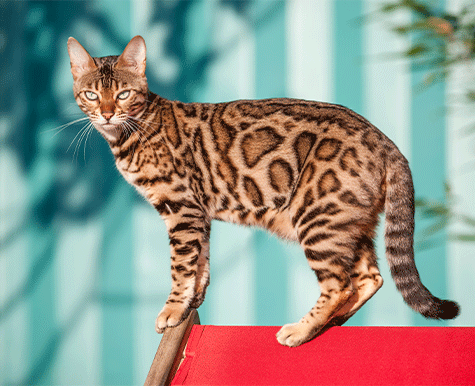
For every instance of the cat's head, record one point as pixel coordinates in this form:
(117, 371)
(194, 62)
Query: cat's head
(111, 90)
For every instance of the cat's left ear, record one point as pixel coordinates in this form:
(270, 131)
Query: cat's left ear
(134, 56)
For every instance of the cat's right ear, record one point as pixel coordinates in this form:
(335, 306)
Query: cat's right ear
(81, 61)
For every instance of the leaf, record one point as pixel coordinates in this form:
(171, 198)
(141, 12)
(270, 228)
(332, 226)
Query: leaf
(435, 228)
(390, 7)
(417, 50)
(468, 220)
(403, 29)
(422, 245)
(413, 27)
(418, 7)
(471, 96)
(464, 238)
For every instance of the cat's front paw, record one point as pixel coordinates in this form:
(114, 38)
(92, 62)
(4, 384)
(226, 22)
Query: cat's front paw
(295, 334)
(170, 316)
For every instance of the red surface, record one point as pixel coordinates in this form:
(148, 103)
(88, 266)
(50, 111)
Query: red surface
(341, 356)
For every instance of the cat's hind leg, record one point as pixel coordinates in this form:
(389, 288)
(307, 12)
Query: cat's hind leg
(365, 278)
(331, 257)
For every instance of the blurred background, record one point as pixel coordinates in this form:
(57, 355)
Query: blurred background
(84, 261)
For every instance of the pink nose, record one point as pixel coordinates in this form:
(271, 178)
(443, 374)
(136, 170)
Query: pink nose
(107, 115)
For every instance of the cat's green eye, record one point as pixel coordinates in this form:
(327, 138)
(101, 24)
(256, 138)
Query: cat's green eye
(123, 95)
(91, 96)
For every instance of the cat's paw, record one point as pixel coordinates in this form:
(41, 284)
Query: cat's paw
(170, 316)
(295, 334)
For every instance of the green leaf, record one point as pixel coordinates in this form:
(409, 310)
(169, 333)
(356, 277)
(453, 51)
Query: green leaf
(417, 50)
(464, 238)
(390, 7)
(435, 228)
(471, 96)
(468, 220)
(418, 7)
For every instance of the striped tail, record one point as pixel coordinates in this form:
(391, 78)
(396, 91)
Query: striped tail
(399, 239)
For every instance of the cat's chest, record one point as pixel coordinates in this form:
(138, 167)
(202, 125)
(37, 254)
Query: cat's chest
(145, 164)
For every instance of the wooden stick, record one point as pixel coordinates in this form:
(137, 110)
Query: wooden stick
(170, 352)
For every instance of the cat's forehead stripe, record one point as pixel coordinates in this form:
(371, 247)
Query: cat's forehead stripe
(106, 69)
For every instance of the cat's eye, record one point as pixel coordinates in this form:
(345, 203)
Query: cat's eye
(91, 96)
(123, 95)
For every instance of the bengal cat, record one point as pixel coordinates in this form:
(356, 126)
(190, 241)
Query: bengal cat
(311, 172)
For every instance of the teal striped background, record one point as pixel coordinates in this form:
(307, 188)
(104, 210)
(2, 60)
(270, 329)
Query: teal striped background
(84, 261)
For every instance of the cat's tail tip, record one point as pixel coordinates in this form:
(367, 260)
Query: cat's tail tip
(442, 309)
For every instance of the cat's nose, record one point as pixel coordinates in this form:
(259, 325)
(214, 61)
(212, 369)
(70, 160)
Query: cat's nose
(107, 115)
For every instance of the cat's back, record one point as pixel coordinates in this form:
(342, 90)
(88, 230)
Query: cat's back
(283, 134)
(256, 156)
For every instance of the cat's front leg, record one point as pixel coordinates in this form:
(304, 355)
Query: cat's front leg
(189, 238)
(202, 276)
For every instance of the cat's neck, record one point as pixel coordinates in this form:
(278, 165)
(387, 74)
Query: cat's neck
(146, 123)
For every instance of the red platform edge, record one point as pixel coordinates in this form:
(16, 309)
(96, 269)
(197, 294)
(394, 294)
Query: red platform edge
(250, 355)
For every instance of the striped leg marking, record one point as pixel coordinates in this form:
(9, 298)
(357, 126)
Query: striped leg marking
(365, 278)
(327, 256)
(189, 240)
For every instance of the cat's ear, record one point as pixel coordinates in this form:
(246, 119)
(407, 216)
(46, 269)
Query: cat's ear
(81, 61)
(134, 56)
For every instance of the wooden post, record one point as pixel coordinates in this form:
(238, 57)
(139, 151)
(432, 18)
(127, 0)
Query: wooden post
(170, 352)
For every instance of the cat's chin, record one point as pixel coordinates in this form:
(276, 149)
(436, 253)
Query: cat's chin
(109, 131)
(109, 127)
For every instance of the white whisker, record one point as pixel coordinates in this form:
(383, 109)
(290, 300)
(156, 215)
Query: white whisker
(77, 134)
(66, 125)
(81, 133)
(78, 144)
(90, 130)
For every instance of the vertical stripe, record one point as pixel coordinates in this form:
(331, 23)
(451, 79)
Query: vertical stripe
(152, 283)
(387, 104)
(116, 285)
(387, 80)
(78, 312)
(14, 252)
(309, 33)
(461, 178)
(270, 37)
(198, 37)
(44, 333)
(270, 63)
(231, 75)
(230, 297)
(348, 42)
(428, 169)
(42, 229)
(200, 21)
(348, 54)
(15, 320)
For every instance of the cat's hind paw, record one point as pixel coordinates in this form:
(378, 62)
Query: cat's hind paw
(295, 334)
(170, 316)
